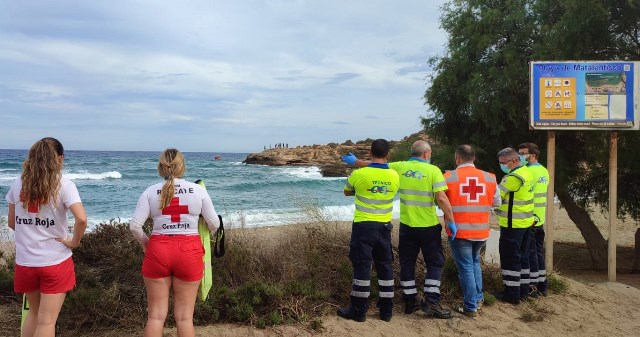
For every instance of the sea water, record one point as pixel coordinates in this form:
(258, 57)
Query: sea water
(110, 183)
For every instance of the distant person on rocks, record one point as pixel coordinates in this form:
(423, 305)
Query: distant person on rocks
(173, 254)
(515, 217)
(374, 188)
(537, 267)
(471, 193)
(421, 185)
(38, 205)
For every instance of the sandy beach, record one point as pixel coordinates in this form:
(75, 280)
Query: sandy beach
(604, 309)
(591, 307)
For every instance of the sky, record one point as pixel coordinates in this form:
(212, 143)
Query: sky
(212, 75)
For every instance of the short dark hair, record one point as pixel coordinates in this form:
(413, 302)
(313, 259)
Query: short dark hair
(380, 148)
(531, 147)
(466, 152)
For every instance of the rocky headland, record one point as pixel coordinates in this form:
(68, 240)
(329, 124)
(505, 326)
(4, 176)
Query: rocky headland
(327, 157)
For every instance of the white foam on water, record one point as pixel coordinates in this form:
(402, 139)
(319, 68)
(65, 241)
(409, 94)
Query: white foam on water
(307, 173)
(264, 218)
(93, 176)
(80, 175)
(9, 176)
(304, 172)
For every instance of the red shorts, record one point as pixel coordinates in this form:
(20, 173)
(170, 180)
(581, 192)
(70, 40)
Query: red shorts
(174, 255)
(55, 279)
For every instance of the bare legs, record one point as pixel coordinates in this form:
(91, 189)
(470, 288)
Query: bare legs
(157, 305)
(43, 314)
(184, 294)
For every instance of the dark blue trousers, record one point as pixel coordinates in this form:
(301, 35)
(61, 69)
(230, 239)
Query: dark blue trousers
(537, 260)
(371, 244)
(514, 261)
(429, 241)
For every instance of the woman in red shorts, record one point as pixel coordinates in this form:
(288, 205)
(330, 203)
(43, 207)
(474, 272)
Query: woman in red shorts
(38, 204)
(173, 253)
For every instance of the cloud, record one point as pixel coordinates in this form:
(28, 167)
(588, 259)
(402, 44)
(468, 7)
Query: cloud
(342, 77)
(315, 72)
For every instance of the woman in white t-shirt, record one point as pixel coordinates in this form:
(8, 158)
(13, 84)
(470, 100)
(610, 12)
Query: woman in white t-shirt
(38, 204)
(173, 253)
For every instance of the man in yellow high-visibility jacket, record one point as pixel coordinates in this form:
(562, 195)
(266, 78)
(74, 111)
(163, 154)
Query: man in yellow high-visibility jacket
(515, 217)
(538, 274)
(374, 188)
(422, 185)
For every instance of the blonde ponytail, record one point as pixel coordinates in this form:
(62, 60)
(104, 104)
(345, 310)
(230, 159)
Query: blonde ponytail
(171, 165)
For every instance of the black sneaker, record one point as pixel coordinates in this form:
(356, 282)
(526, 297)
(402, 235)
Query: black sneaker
(386, 316)
(349, 314)
(411, 306)
(435, 310)
(503, 298)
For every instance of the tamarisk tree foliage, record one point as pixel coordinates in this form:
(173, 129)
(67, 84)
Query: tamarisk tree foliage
(479, 93)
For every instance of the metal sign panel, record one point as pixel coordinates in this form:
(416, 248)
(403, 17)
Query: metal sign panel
(581, 95)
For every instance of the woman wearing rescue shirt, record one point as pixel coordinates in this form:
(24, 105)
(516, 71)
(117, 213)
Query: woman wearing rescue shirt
(173, 253)
(38, 204)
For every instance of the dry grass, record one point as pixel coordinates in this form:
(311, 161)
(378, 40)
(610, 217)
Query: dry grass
(295, 274)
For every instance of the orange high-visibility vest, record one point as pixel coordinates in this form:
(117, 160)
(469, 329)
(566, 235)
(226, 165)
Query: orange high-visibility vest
(471, 194)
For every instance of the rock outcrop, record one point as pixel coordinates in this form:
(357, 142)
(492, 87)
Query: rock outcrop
(327, 157)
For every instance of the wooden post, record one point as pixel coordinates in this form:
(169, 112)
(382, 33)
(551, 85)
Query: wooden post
(548, 227)
(613, 199)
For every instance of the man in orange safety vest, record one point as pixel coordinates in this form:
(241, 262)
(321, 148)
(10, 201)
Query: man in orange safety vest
(471, 193)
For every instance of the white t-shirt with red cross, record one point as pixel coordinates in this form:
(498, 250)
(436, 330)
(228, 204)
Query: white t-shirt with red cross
(189, 201)
(38, 226)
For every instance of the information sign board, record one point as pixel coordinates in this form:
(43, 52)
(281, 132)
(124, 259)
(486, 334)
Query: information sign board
(584, 95)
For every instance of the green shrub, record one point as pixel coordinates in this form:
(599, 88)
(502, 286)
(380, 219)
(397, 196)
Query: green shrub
(489, 298)
(317, 325)
(557, 285)
(449, 285)
(6, 276)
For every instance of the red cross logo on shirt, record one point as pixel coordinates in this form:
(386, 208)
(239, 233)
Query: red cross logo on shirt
(175, 209)
(472, 189)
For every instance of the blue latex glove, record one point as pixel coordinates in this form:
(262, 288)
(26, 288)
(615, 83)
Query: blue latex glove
(349, 159)
(452, 228)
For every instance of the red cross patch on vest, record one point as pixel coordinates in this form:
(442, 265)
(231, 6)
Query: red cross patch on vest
(472, 189)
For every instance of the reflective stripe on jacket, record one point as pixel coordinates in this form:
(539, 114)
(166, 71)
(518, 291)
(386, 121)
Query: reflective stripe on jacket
(516, 185)
(374, 189)
(471, 193)
(540, 186)
(419, 181)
